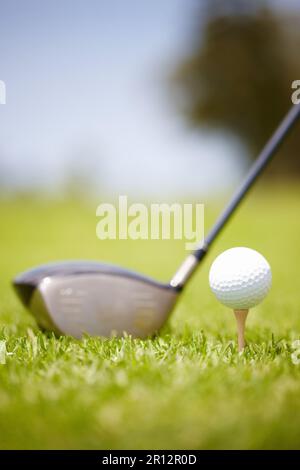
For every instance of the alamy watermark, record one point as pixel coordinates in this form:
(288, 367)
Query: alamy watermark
(163, 221)
(3, 352)
(2, 92)
(296, 94)
(295, 356)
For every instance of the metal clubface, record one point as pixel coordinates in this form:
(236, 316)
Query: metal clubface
(74, 298)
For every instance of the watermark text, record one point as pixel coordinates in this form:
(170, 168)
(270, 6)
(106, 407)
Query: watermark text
(296, 93)
(156, 221)
(295, 356)
(2, 92)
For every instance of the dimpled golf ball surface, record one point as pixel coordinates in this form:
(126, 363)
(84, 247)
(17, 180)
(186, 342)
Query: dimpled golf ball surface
(240, 278)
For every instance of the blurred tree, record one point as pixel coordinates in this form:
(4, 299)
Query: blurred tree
(238, 75)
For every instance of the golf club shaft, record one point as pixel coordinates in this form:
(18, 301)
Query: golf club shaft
(192, 261)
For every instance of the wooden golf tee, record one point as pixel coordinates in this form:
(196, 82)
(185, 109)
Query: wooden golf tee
(241, 316)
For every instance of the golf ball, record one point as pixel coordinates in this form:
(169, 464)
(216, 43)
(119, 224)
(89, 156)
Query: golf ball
(240, 278)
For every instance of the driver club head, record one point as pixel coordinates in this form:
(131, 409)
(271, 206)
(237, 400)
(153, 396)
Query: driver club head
(74, 298)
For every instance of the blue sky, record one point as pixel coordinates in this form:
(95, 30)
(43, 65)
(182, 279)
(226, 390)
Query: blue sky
(87, 93)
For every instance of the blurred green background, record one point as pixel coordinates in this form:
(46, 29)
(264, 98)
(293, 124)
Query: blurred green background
(168, 101)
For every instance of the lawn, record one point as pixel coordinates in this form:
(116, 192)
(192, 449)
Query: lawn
(186, 388)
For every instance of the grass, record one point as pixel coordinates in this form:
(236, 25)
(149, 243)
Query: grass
(186, 388)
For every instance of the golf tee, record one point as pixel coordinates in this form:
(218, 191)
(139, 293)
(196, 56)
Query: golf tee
(241, 316)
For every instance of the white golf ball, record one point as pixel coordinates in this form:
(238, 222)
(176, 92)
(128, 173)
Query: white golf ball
(240, 278)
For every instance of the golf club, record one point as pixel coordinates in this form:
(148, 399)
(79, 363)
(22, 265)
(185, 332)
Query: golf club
(74, 298)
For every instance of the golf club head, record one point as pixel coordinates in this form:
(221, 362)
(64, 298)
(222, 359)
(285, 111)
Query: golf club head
(74, 298)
